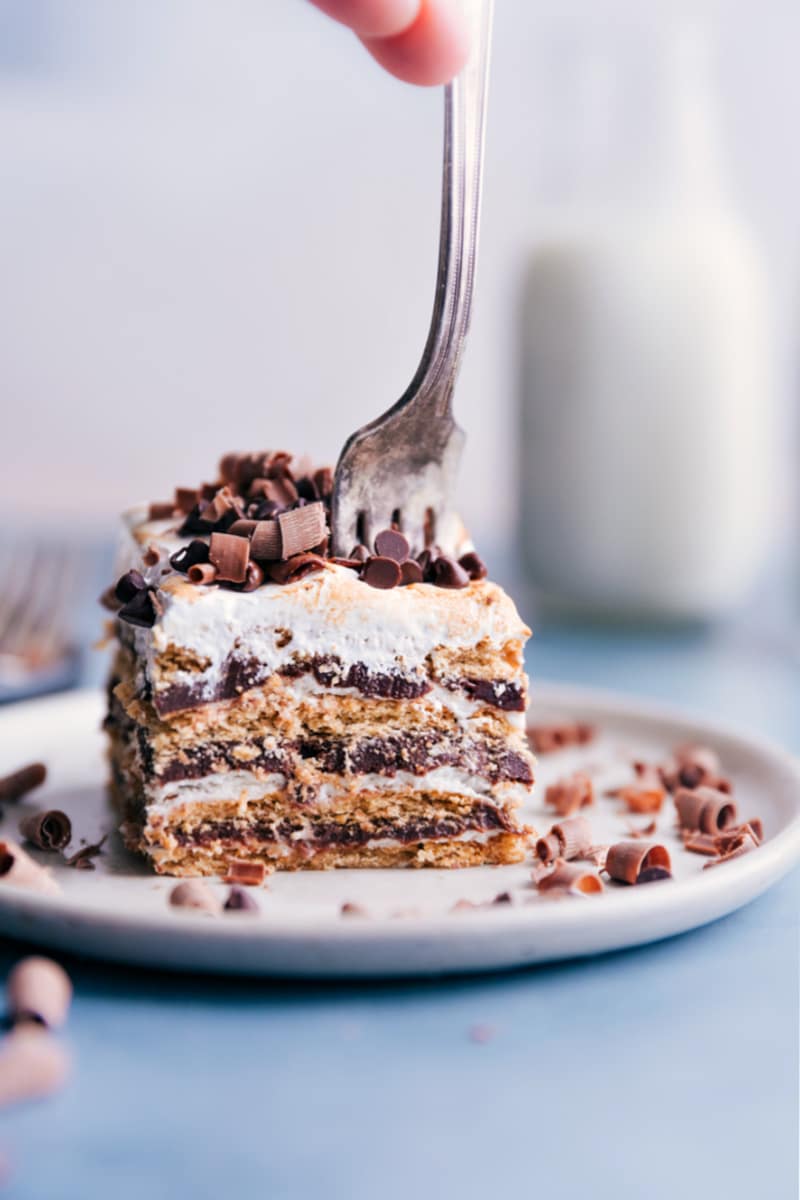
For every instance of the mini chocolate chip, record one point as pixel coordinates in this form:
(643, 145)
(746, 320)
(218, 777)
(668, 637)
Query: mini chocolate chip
(410, 571)
(381, 572)
(195, 552)
(474, 565)
(240, 900)
(447, 573)
(390, 543)
(128, 585)
(142, 609)
(360, 553)
(653, 875)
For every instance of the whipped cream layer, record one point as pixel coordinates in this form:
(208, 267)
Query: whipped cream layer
(330, 615)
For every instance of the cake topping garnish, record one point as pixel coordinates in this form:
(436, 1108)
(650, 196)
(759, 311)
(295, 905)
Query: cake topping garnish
(240, 900)
(51, 830)
(230, 555)
(380, 572)
(19, 783)
(626, 861)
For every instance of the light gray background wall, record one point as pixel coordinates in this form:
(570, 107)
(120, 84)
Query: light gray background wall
(218, 228)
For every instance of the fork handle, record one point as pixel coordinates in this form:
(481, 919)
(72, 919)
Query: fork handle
(462, 171)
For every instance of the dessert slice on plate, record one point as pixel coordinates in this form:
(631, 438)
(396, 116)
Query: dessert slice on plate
(274, 705)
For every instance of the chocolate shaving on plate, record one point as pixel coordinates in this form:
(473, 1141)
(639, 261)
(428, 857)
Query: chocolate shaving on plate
(349, 909)
(625, 861)
(38, 990)
(50, 830)
(642, 800)
(705, 808)
(32, 1064)
(19, 783)
(571, 879)
(645, 831)
(240, 870)
(568, 839)
(566, 796)
(241, 900)
(194, 893)
(546, 738)
(81, 860)
(19, 868)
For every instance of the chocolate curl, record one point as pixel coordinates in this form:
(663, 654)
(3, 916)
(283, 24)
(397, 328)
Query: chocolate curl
(323, 482)
(741, 838)
(295, 568)
(546, 738)
(160, 510)
(50, 830)
(705, 808)
(194, 893)
(185, 499)
(20, 782)
(202, 573)
(735, 847)
(575, 836)
(151, 556)
(19, 868)
(700, 843)
(265, 541)
(642, 800)
(243, 528)
(224, 502)
(32, 1064)
(230, 555)
(240, 870)
(566, 796)
(548, 849)
(302, 528)
(280, 489)
(625, 861)
(38, 990)
(349, 909)
(573, 879)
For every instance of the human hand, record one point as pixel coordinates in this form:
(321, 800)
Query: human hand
(419, 41)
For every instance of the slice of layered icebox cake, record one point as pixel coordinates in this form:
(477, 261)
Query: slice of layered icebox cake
(275, 705)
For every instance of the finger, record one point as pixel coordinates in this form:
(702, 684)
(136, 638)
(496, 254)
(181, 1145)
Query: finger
(431, 51)
(372, 18)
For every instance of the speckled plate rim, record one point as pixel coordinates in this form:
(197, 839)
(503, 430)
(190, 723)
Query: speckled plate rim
(477, 940)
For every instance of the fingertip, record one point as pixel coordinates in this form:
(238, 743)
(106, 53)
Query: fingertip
(372, 18)
(430, 52)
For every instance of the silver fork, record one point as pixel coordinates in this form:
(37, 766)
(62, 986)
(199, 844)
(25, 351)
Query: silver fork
(401, 467)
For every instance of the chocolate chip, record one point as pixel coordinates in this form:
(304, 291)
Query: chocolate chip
(195, 552)
(390, 543)
(240, 900)
(360, 553)
(447, 573)
(410, 572)
(143, 609)
(230, 555)
(653, 874)
(381, 572)
(425, 560)
(474, 565)
(128, 585)
(295, 568)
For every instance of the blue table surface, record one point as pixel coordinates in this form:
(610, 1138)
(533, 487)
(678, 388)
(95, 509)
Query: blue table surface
(663, 1071)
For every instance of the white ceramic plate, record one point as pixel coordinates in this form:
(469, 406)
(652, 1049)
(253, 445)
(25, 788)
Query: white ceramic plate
(120, 911)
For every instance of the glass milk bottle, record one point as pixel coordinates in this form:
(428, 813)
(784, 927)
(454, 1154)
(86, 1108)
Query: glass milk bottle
(649, 420)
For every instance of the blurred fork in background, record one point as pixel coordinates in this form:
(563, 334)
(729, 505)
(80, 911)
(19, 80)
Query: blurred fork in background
(39, 599)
